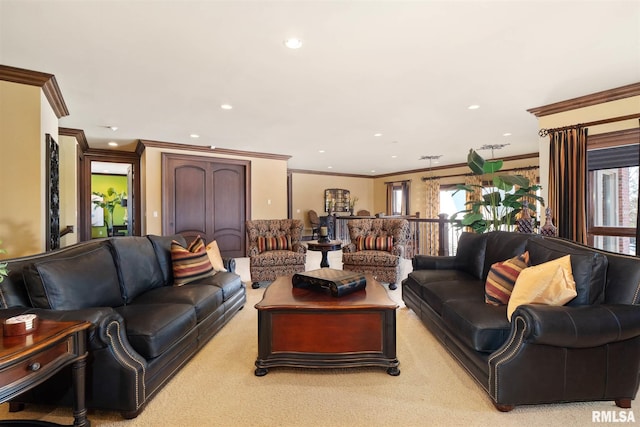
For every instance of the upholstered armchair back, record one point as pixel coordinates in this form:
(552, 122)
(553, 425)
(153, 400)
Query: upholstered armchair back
(379, 227)
(291, 228)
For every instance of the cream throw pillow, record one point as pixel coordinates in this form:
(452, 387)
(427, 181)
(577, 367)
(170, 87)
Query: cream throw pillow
(549, 283)
(214, 256)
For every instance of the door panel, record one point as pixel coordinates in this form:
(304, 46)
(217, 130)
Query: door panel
(190, 192)
(228, 222)
(207, 197)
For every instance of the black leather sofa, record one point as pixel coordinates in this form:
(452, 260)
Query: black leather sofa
(586, 350)
(144, 328)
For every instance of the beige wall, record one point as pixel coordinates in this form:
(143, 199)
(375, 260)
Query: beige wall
(602, 111)
(68, 188)
(268, 186)
(25, 118)
(308, 193)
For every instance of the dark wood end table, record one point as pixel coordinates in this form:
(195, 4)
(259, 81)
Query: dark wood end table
(303, 328)
(30, 359)
(324, 247)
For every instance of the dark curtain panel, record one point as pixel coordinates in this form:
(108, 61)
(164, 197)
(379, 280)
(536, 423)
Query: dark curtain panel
(568, 182)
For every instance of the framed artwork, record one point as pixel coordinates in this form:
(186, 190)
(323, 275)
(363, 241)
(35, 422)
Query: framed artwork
(336, 200)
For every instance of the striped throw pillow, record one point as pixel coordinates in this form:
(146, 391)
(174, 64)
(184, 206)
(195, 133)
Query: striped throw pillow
(502, 277)
(370, 243)
(280, 243)
(190, 263)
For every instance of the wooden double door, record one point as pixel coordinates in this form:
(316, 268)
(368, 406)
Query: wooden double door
(208, 197)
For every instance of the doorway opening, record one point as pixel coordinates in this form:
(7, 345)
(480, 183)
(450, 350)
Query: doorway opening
(109, 195)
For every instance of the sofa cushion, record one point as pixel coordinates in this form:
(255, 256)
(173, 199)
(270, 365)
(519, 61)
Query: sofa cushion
(503, 245)
(589, 268)
(153, 328)
(88, 279)
(190, 263)
(436, 294)
(162, 247)
(549, 283)
(482, 327)
(213, 252)
(374, 243)
(204, 298)
(470, 253)
(137, 265)
(228, 283)
(377, 258)
(502, 277)
(277, 258)
(278, 243)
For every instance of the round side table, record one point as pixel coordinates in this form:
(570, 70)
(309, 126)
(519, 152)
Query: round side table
(324, 247)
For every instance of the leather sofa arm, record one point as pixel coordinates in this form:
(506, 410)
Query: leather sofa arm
(579, 327)
(430, 262)
(229, 264)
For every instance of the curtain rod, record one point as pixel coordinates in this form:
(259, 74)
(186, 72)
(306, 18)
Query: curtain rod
(397, 182)
(427, 178)
(545, 132)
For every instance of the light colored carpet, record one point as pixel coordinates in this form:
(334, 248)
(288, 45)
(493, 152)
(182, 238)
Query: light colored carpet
(218, 387)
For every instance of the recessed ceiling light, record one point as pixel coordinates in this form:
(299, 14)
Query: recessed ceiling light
(113, 128)
(473, 107)
(320, 151)
(506, 134)
(293, 43)
(394, 156)
(329, 167)
(226, 106)
(194, 135)
(373, 170)
(113, 144)
(377, 134)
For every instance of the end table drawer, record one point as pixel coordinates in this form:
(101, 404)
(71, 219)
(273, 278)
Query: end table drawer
(36, 365)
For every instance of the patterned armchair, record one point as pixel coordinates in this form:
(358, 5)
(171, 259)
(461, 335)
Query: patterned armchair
(275, 249)
(377, 247)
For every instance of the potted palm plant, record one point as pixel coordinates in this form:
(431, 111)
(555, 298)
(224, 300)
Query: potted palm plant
(108, 202)
(4, 271)
(500, 205)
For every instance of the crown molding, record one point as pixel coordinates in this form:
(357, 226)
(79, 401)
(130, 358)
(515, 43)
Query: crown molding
(45, 81)
(588, 100)
(143, 143)
(312, 172)
(78, 134)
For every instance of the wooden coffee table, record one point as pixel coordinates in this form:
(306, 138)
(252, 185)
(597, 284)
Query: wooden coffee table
(304, 328)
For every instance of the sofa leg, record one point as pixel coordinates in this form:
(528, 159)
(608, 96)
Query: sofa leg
(504, 408)
(392, 286)
(623, 403)
(255, 285)
(129, 415)
(16, 406)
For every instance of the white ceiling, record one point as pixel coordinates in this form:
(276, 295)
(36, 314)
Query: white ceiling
(159, 70)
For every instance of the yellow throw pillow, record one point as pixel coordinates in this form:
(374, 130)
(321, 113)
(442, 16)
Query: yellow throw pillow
(214, 256)
(549, 283)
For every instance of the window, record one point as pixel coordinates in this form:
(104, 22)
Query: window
(398, 198)
(613, 189)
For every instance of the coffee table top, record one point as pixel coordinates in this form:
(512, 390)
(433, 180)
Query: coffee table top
(281, 294)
